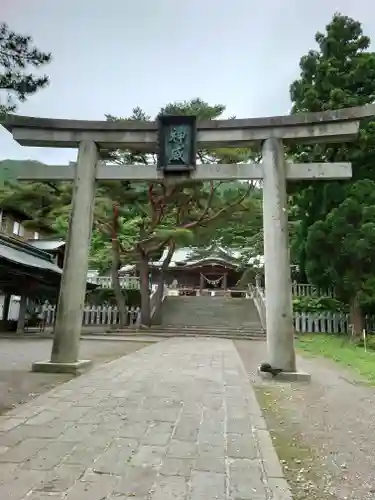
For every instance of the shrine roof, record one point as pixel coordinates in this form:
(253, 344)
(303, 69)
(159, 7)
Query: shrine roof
(189, 256)
(47, 245)
(24, 254)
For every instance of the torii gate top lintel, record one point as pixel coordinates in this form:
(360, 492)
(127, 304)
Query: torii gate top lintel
(142, 135)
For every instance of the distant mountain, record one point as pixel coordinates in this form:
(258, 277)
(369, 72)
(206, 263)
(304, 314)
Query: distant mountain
(8, 168)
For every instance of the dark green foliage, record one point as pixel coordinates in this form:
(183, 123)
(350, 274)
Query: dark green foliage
(340, 248)
(341, 73)
(17, 54)
(106, 296)
(318, 304)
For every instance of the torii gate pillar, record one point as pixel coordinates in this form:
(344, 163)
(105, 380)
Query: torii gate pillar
(279, 309)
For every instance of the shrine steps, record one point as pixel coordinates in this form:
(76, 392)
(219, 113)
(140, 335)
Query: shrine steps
(167, 331)
(212, 314)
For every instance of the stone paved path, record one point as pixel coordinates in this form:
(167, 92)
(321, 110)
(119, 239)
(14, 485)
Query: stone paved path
(176, 420)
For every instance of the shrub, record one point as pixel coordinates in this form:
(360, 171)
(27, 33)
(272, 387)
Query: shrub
(106, 296)
(316, 304)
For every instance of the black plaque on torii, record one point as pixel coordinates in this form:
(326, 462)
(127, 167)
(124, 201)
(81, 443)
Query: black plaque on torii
(177, 137)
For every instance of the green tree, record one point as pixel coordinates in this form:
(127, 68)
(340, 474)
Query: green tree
(41, 202)
(340, 249)
(341, 73)
(17, 54)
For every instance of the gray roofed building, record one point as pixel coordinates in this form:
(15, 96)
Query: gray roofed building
(47, 245)
(21, 255)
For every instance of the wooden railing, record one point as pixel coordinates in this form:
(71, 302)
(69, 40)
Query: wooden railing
(153, 297)
(307, 290)
(259, 298)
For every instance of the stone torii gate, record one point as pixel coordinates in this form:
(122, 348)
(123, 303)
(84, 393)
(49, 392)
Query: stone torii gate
(92, 136)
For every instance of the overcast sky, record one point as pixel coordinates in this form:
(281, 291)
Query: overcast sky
(112, 55)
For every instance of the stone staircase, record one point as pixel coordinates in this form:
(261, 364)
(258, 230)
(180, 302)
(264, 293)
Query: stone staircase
(217, 316)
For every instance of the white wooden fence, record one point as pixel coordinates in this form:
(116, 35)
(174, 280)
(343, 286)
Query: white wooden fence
(313, 322)
(105, 315)
(322, 322)
(328, 322)
(129, 282)
(96, 315)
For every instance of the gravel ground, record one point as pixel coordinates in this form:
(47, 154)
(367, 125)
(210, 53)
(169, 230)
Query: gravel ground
(18, 384)
(324, 432)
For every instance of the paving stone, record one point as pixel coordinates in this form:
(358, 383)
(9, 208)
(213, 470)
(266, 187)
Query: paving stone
(79, 433)
(246, 480)
(212, 439)
(151, 403)
(21, 483)
(100, 417)
(239, 425)
(25, 411)
(74, 413)
(213, 401)
(170, 488)
(7, 472)
(213, 425)
(85, 454)
(60, 479)
(172, 466)
(241, 446)
(148, 456)
(158, 433)
(8, 423)
(116, 458)
(24, 450)
(182, 449)
(165, 415)
(187, 430)
(212, 450)
(137, 482)
(210, 463)
(207, 486)
(40, 495)
(99, 489)
(49, 456)
(22, 432)
(134, 430)
(42, 418)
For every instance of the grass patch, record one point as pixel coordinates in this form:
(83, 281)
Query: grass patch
(341, 350)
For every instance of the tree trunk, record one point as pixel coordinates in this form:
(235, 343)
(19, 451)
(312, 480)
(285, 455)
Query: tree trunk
(120, 299)
(356, 317)
(160, 288)
(144, 289)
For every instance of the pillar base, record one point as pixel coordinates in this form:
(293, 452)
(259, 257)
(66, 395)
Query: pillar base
(286, 376)
(50, 367)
